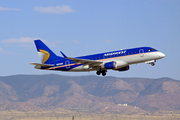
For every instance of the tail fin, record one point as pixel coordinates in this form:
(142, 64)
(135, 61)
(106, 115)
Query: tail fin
(46, 55)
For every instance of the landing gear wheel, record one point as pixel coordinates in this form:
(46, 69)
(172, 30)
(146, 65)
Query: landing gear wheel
(103, 73)
(152, 63)
(98, 72)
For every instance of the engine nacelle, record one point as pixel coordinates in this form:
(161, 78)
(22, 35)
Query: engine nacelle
(110, 65)
(124, 68)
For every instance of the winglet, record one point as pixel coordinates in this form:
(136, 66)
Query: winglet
(63, 54)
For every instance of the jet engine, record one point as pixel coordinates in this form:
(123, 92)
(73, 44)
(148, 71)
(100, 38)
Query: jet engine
(110, 65)
(123, 68)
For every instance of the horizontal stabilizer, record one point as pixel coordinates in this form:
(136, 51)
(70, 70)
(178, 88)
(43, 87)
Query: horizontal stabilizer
(42, 65)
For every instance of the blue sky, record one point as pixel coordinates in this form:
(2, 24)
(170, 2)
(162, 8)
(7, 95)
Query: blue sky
(85, 27)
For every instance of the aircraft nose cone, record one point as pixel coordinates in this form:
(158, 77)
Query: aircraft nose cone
(161, 55)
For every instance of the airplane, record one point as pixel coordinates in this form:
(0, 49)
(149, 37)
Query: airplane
(115, 60)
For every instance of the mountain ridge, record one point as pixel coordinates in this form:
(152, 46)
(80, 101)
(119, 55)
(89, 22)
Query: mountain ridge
(53, 91)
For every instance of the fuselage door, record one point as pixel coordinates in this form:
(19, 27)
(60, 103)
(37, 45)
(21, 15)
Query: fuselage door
(141, 52)
(67, 64)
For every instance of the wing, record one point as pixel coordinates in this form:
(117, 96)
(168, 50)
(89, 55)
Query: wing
(91, 63)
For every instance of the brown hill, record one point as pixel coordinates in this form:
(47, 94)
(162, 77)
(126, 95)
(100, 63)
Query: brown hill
(110, 94)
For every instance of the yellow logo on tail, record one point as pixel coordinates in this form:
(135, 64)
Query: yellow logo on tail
(46, 57)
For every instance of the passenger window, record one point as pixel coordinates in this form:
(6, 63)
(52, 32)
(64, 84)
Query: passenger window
(132, 52)
(99, 57)
(128, 53)
(135, 51)
(104, 56)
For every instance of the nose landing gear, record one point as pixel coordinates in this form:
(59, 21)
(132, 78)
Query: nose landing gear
(152, 63)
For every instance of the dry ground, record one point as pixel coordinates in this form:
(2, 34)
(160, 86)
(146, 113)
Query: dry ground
(54, 115)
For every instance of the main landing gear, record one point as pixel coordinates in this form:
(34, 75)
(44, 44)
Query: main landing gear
(101, 71)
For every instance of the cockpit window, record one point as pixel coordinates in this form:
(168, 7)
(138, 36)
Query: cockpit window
(151, 49)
